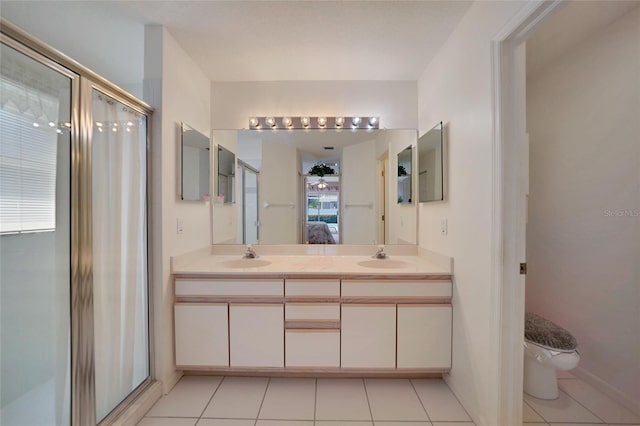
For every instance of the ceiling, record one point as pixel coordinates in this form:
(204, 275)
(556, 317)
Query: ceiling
(567, 28)
(263, 40)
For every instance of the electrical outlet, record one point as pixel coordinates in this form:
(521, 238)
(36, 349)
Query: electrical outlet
(443, 227)
(179, 227)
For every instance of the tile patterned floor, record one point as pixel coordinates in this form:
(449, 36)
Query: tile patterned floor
(260, 401)
(256, 401)
(579, 404)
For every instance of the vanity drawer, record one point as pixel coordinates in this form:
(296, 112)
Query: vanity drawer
(204, 287)
(322, 288)
(312, 311)
(390, 289)
(312, 348)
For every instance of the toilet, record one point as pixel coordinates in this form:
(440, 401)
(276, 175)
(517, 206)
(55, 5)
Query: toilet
(547, 348)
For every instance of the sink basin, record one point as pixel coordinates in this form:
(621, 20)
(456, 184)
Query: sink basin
(384, 264)
(245, 263)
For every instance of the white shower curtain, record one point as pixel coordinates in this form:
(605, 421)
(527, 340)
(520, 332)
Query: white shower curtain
(119, 251)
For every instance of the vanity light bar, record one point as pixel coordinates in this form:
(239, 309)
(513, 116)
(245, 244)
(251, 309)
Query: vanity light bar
(306, 122)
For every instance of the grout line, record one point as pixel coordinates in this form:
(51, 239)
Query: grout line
(524, 401)
(456, 397)
(210, 399)
(367, 395)
(315, 403)
(582, 405)
(262, 402)
(419, 399)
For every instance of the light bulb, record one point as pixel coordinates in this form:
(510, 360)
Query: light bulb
(305, 121)
(52, 124)
(322, 121)
(99, 124)
(115, 129)
(35, 124)
(271, 121)
(355, 121)
(59, 131)
(339, 121)
(287, 122)
(67, 124)
(254, 122)
(129, 123)
(373, 121)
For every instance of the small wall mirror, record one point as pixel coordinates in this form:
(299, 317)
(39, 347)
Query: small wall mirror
(226, 175)
(430, 165)
(404, 175)
(195, 165)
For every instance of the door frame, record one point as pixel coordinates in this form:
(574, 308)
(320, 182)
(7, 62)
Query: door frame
(244, 167)
(510, 186)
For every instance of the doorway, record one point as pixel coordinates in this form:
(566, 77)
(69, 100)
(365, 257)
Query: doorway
(382, 196)
(322, 209)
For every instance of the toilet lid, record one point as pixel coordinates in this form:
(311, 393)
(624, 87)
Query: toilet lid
(544, 332)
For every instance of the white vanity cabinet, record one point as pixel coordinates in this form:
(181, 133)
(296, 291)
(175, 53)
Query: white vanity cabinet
(424, 336)
(256, 335)
(337, 325)
(368, 336)
(201, 334)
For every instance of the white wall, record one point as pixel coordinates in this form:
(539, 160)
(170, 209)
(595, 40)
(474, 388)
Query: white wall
(401, 217)
(279, 184)
(358, 186)
(395, 102)
(456, 89)
(179, 91)
(583, 115)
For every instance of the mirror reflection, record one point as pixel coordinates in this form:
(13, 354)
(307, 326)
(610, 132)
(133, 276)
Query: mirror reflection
(196, 157)
(317, 187)
(226, 175)
(405, 160)
(430, 165)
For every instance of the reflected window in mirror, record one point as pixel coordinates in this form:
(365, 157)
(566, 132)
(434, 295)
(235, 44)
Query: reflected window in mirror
(226, 175)
(196, 160)
(405, 164)
(430, 165)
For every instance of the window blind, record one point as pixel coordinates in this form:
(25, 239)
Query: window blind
(27, 174)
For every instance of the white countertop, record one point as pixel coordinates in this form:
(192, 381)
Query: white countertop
(304, 260)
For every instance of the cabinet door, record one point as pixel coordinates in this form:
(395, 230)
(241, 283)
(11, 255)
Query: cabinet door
(368, 336)
(313, 348)
(424, 336)
(201, 337)
(256, 335)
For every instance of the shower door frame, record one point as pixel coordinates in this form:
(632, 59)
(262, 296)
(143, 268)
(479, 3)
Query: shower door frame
(83, 82)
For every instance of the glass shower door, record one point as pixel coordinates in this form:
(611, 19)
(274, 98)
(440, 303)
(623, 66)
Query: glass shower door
(119, 214)
(35, 235)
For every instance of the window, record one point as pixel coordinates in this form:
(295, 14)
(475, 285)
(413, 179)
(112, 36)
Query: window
(27, 172)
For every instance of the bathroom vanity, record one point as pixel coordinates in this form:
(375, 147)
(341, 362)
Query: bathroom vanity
(322, 315)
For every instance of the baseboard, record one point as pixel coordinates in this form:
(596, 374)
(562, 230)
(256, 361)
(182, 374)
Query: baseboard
(171, 381)
(604, 387)
(140, 406)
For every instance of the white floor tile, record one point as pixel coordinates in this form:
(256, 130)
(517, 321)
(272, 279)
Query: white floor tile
(342, 399)
(289, 399)
(394, 399)
(529, 415)
(534, 424)
(453, 424)
(237, 398)
(342, 423)
(577, 424)
(225, 422)
(563, 409)
(402, 424)
(598, 403)
(441, 404)
(188, 398)
(167, 421)
(284, 423)
(565, 374)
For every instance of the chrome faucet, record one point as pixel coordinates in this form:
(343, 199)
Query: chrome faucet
(380, 254)
(249, 254)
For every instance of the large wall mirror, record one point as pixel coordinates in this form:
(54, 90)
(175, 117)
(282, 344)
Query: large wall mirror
(196, 161)
(317, 187)
(430, 165)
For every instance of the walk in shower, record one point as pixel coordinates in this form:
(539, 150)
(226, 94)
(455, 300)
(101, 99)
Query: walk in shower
(74, 293)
